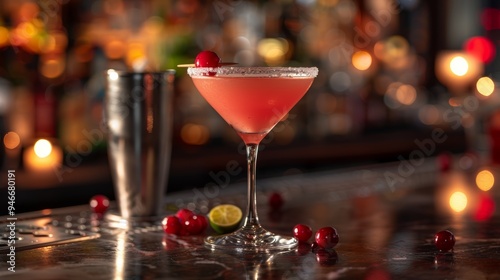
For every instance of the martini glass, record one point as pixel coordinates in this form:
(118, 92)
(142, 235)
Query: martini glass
(252, 100)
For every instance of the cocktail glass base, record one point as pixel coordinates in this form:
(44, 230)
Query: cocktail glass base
(251, 239)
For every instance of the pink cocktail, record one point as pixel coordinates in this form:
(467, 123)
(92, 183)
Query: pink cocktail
(252, 100)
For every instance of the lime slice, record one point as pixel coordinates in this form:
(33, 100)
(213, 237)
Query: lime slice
(225, 218)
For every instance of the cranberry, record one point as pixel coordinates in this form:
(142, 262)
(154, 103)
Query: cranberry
(302, 232)
(194, 225)
(276, 201)
(207, 59)
(171, 224)
(327, 237)
(444, 240)
(183, 214)
(99, 204)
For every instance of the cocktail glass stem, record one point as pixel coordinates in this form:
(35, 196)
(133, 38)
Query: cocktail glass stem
(251, 217)
(251, 236)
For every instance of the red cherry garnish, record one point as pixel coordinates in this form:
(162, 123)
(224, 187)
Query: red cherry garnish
(183, 214)
(171, 224)
(276, 201)
(302, 232)
(99, 204)
(327, 237)
(444, 240)
(207, 59)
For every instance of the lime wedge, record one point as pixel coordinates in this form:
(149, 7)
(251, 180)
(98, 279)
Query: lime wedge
(225, 218)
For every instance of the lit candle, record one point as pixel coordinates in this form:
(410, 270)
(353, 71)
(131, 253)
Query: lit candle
(42, 157)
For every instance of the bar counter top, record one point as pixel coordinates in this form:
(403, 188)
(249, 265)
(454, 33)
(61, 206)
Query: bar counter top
(386, 216)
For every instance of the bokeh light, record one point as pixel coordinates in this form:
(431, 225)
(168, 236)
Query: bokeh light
(112, 74)
(457, 70)
(42, 148)
(459, 66)
(136, 53)
(394, 51)
(28, 11)
(481, 48)
(11, 140)
(458, 201)
(361, 60)
(406, 94)
(485, 208)
(273, 50)
(485, 86)
(195, 134)
(115, 49)
(429, 114)
(4, 36)
(485, 180)
(52, 67)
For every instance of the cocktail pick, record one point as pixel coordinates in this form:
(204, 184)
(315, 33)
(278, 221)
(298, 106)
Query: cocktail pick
(220, 64)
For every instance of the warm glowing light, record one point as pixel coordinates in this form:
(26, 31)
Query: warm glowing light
(396, 46)
(485, 180)
(136, 52)
(115, 49)
(42, 157)
(459, 66)
(458, 201)
(84, 52)
(393, 51)
(273, 50)
(27, 30)
(485, 86)
(28, 11)
(53, 67)
(112, 74)
(4, 36)
(454, 102)
(406, 94)
(55, 42)
(195, 134)
(361, 60)
(11, 140)
(153, 25)
(42, 148)
(458, 70)
(481, 48)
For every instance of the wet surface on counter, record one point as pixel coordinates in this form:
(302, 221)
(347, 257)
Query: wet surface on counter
(386, 232)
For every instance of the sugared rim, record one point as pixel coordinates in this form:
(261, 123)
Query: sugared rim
(239, 71)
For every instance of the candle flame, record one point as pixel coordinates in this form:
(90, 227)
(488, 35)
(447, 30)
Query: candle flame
(42, 148)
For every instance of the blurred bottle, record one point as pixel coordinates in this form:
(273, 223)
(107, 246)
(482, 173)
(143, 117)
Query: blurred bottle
(45, 121)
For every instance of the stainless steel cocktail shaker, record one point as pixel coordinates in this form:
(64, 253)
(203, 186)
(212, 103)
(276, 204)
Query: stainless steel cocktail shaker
(138, 113)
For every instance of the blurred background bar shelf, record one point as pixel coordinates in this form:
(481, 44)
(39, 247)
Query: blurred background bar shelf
(394, 75)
